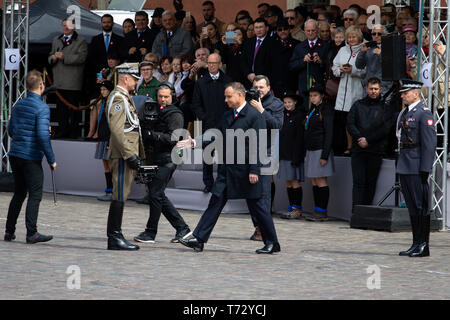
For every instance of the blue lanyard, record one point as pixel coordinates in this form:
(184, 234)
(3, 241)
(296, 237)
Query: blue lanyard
(101, 113)
(307, 119)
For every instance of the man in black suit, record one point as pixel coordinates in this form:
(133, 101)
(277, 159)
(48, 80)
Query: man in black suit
(138, 42)
(208, 104)
(309, 60)
(283, 47)
(256, 53)
(236, 180)
(102, 45)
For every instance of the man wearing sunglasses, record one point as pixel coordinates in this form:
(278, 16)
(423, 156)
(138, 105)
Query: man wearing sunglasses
(295, 20)
(370, 58)
(350, 17)
(282, 49)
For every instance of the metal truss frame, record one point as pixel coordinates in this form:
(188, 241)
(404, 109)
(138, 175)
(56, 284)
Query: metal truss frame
(15, 22)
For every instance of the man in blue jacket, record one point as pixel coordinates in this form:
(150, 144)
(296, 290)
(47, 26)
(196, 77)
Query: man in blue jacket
(29, 130)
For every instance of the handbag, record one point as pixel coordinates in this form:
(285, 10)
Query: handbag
(332, 87)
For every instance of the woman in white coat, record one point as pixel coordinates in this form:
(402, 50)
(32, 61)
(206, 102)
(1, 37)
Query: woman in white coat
(351, 86)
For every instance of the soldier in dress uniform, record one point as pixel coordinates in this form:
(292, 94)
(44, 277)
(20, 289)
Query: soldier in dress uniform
(417, 136)
(126, 150)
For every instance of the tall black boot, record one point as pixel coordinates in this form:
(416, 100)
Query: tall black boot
(423, 249)
(116, 241)
(416, 236)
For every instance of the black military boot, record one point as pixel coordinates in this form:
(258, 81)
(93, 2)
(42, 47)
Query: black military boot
(116, 241)
(423, 249)
(416, 234)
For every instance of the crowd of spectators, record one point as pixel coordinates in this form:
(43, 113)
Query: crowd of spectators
(331, 48)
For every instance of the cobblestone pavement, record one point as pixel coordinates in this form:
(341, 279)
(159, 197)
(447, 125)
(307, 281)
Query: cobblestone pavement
(326, 260)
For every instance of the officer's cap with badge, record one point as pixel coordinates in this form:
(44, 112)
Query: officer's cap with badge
(131, 68)
(408, 84)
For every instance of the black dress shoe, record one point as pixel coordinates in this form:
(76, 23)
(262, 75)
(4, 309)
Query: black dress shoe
(422, 250)
(407, 252)
(269, 248)
(207, 189)
(118, 242)
(9, 236)
(192, 242)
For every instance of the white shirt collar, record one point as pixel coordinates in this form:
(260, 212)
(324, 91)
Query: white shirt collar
(104, 32)
(412, 105)
(241, 107)
(214, 75)
(262, 39)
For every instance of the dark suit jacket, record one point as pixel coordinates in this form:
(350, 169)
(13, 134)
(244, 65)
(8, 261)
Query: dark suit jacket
(233, 178)
(262, 59)
(208, 100)
(281, 79)
(97, 51)
(132, 40)
(316, 71)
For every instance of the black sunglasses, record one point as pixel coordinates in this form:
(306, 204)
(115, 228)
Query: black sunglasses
(377, 34)
(282, 29)
(349, 19)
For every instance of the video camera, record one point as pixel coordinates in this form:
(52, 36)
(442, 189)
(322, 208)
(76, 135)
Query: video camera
(149, 114)
(145, 174)
(252, 94)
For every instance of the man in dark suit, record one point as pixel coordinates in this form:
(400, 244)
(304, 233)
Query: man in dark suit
(208, 104)
(138, 42)
(236, 180)
(416, 132)
(256, 53)
(309, 60)
(102, 45)
(283, 47)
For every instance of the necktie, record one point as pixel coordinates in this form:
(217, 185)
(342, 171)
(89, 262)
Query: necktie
(312, 44)
(236, 113)
(106, 41)
(66, 38)
(258, 44)
(139, 34)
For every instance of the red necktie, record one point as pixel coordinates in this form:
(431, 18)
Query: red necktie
(312, 44)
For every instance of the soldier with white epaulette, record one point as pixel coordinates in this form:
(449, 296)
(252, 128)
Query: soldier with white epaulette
(126, 150)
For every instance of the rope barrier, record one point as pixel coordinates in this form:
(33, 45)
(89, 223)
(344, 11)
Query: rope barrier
(67, 103)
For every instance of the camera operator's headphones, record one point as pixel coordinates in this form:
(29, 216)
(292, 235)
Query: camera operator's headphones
(167, 84)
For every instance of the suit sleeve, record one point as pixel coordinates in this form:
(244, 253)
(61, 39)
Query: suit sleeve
(351, 122)
(187, 44)
(297, 63)
(197, 103)
(259, 124)
(360, 61)
(52, 52)
(274, 116)
(428, 141)
(79, 56)
(245, 58)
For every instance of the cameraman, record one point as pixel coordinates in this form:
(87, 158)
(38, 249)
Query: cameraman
(370, 58)
(160, 120)
(368, 122)
(272, 109)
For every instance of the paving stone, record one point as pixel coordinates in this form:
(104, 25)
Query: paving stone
(326, 260)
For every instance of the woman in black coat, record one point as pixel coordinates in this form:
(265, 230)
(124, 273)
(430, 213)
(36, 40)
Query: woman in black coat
(292, 153)
(232, 54)
(319, 162)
